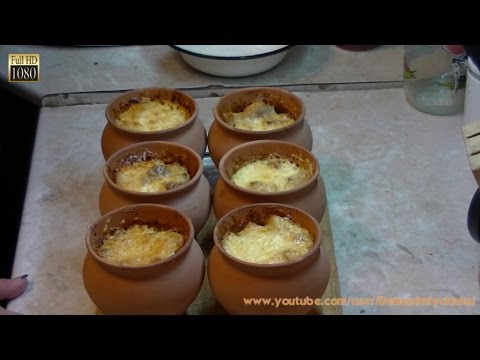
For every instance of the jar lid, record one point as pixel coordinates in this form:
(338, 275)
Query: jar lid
(472, 66)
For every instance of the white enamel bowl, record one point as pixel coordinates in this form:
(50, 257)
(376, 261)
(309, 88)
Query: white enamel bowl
(232, 60)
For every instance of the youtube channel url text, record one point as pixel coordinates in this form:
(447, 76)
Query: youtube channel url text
(354, 301)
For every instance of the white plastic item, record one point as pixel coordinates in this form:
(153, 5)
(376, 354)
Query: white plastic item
(231, 61)
(472, 94)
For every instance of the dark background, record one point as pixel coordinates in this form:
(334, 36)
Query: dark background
(19, 122)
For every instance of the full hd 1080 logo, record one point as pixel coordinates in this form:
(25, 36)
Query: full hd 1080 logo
(23, 67)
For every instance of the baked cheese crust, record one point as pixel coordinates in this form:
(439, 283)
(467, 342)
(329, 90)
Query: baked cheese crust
(140, 245)
(152, 115)
(258, 116)
(280, 240)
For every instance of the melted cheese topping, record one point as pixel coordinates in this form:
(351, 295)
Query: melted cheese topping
(274, 173)
(151, 176)
(140, 245)
(280, 240)
(152, 115)
(258, 116)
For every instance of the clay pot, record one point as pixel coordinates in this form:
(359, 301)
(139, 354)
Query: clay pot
(165, 287)
(192, 133)
(233, 280)
(193, 198)
(227, 195)
(222, 137)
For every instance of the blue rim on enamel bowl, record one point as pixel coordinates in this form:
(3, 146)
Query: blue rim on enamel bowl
(244, 57)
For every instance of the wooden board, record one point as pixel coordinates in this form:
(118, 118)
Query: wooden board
(205, 303)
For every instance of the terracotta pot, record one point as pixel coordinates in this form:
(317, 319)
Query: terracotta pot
(165, 287)
(233, 280)
(227, 195)
(193, 198)
(222, 137)
(192, 133)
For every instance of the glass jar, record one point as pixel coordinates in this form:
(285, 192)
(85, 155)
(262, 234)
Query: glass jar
(434, 78)
(472, 94)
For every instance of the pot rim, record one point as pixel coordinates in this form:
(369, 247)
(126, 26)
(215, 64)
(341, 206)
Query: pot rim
(224, 176)
(145, 144)
(131, 93)
(315, 248)
(219, 118)
(186, 245)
